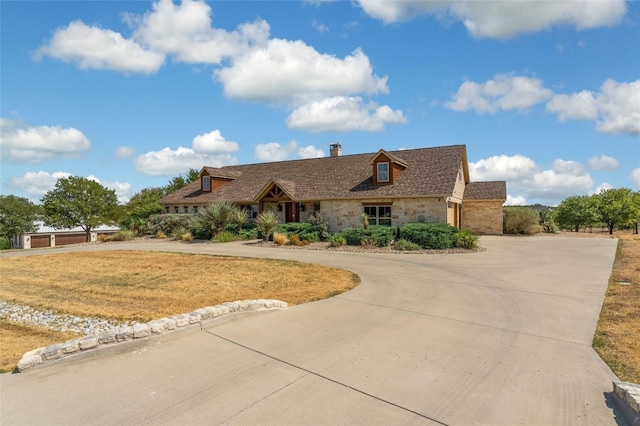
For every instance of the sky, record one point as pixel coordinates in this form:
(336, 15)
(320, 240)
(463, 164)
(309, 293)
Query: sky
(544, 94)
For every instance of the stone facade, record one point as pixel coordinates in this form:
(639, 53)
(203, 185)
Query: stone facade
(482, 217)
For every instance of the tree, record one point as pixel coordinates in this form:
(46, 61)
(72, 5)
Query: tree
(575, 212)
(182, 180)
(636, 204)
(17, 216)
(615, 207)
(76, 201)
(141, 206)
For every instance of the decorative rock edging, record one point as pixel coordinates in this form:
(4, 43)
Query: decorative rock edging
(627, 396)
(141, 330)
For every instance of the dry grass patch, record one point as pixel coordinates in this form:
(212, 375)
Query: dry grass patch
(617, 338)
(17, 339)
(141, 286)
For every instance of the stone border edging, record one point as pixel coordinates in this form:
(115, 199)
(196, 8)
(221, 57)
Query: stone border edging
(627, 395)
(141, 330)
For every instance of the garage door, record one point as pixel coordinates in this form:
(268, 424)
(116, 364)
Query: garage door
(38, 241)
(64, 239)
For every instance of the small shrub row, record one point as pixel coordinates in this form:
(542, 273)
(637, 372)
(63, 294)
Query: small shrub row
(429, 235)
(378, 235)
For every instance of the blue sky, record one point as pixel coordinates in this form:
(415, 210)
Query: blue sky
(544, 94)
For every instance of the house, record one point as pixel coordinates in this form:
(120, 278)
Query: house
(392, 187)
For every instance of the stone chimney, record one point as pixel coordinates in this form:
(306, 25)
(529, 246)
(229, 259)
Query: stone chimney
(335, 149)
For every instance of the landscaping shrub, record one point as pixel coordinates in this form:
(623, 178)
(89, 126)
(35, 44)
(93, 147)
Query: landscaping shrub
(249, 232)
(405, 245)
(311, 232)
(168, 223)
(296, 241)
(267, 221)
(429, 235)
(368, 242)
(383, 235)
(181, 233)
(310, 237)
(520, 220)
(226, 237)
(337, 240)
(5, 244)
(466, 239)
(280, 239)
(122, 235)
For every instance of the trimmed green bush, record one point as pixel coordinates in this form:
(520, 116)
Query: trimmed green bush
(466, 239)
(405, 245)
(337, 240)
(383, 235)
(521, 220)
(310, 237)
(168, 223)
(429, 235)
(226, 237)
(5, 244)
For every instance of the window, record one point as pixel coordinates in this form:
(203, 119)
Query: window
(206, 183)
(186, 209)
(383, 172)
(378, 215)
(195, 210)
(175, 209)
(166, 209)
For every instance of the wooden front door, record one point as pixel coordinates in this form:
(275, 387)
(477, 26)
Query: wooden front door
(292, 212)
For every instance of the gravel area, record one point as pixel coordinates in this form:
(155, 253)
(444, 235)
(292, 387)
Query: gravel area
(29, 316)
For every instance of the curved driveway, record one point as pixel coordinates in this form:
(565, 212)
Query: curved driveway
(496, 337)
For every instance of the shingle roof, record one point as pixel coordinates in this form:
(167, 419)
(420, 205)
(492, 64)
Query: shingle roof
(429, 172)
(496, 190)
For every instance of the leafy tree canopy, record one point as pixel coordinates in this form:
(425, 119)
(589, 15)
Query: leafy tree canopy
(77, 201)
(17, 216)
(576, 212)
(616, 207)
(182, 180)
(145, 203)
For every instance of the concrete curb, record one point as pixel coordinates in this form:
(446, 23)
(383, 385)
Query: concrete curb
(627, 396)
(130, 333)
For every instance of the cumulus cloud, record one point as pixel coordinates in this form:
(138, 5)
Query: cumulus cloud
(517, 200)
(36, 184)
(274, 151)
(503, 93)
(124, 152)
(123, 190)
(635, 177)
(36, 144)
(528, 182)
(185, 32)
(209, 149)
(502, 19)
(91, 47)
(292, 72)
(577, 106)
(603, 163)
(343, 114)
(616, 108)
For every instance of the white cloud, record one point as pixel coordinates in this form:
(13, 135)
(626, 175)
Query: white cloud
(124, 152)
(37, 144)
(320, 27)
(273, 151)
(619, 105)
(36, 184)
(528, 182)
(635, 177)
(213, 143)
(123, 190)
(209, 149)
(502, 19)
(292, 72)
(578, 106)
(603, 163)
(503, 93)
(616, 108)
(518, 200)
(343, 114)
(96, 48)
(602, 187)
(186, 33)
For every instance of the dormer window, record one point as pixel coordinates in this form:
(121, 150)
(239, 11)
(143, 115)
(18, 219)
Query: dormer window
(383, 172)
(206, 183)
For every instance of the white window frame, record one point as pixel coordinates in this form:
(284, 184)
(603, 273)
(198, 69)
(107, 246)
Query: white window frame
(378, 215)
(382, 173)
(206, 183)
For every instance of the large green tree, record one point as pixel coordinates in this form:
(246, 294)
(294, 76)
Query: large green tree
(576, 212)
(182, 180)
(142, 205)
(615, 207)
(77, 201)
(17, 216)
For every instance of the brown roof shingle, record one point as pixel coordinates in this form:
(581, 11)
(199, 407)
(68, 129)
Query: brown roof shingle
(429, 172)
(495, 190)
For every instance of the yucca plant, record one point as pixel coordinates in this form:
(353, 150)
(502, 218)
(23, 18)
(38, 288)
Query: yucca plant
(217, 215)
(239, 217)
(266, 222)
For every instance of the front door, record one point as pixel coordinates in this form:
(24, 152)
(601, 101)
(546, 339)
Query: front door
(292, 212)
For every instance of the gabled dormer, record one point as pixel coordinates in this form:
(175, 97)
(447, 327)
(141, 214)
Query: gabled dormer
(386, 168)
(212, 178)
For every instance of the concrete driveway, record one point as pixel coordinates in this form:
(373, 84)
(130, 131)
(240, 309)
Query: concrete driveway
(497, 337)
